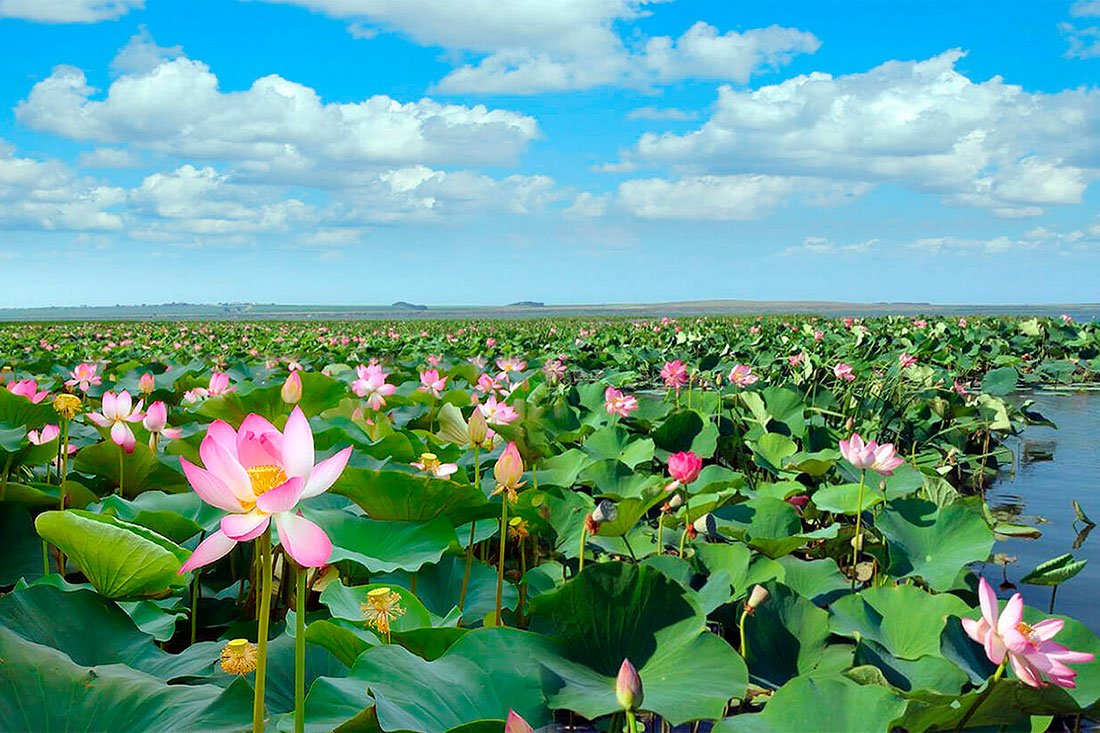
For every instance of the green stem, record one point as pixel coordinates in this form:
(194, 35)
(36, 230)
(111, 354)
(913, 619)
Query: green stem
(580, 555)
(300, 650)
(45, 558)
(859, 526)
(4, 477)
(981, 698)
(687, 524)
(741, 630)
(500, 560)
(660, 533)
(194, 607)
(121, 470)
(631, 722)
(264, 542)
(469, 564)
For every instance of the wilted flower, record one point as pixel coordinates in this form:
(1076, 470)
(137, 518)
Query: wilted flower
(118, 410)
(259, 474)
(605, 511)
(628, 687)
(1029, 648)
(757, 598)
(616, 403)
(239, 657)
(881, 459)
(372, 385)
(84, 376)
(381, 607)
(429, 463)
(28, 388)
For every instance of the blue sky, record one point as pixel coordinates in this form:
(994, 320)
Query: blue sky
(569, 151)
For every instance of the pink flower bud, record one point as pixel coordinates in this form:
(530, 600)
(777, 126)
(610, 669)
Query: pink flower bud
(684, 466)
(147, 384)
(515, 723)
(156, 418)
(292, 389)
(508, 470)
(628, 687)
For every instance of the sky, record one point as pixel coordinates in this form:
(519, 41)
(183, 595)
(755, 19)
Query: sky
(568, 151)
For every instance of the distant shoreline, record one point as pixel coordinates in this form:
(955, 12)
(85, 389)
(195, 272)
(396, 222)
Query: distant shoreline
(408, 311)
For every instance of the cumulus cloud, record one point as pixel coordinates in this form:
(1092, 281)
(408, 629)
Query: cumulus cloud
(524, 47)
(48, 195)
(919, 124)
(108, 158)
(724, 198)
(275, 127)
(68, 11)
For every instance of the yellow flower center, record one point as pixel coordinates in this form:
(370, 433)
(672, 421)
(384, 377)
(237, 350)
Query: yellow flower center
(382, 606)
(429, 462)
(66, 405)
(239, 657)
(266, 478)
(1027, 631)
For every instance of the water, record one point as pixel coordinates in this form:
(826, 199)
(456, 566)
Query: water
(1054, 467)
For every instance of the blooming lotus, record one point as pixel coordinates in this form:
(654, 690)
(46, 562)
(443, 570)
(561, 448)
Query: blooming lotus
(28, 388)
(429, 463)
(674, 374)
(497, 412)
(147, 383)
(219, 385)
(258, 475)
(617, 403)
(507, 366)
(156, 422)
(844, 371)
(372, 385)
(118, 411)
(882, 459)
(1029, 648)
(684, 466)
(432, 383)
(47, 434)
(742, 375)
(84, 376)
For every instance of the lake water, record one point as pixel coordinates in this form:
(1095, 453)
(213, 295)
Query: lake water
(1054, 467)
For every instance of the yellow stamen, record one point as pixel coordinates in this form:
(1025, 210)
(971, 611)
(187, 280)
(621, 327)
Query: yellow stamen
(1027, 631)
(382, 607)
(429, 462)
(66, 405)
(239, 657)
(266, 478)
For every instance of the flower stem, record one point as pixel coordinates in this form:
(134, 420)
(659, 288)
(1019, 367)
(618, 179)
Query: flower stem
(687, 524)
(473, 531)
(631, 722)
(300, 650)
(741, 630)
(264, 543)
(981, 698)
(121, 470)
(500, 561)
(580, 555)
(856, 543)
(660, 533)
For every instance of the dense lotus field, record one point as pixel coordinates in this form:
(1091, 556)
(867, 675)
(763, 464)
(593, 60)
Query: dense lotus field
(765, 524)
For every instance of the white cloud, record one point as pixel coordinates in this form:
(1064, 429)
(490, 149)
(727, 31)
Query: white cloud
(108, 158)
(661, 113)
(720, 198)
(47, 195)
(141, 54)
(922, 125)
(588, 205)
(1084, 41)
(68, 11)
(275, 127)
(825, 246)
(1085, 9)
(526, 47)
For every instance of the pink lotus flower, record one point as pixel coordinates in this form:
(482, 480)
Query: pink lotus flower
(488, 384)
(85, 376)
(906, 360)
(47, 434)
(881, 459)
(963, 323)
(507, 366)
(919, 323)
(684, 466)
(554, 370)
(259, 474)
(616, 403)
(118, 410)
(515, 723)
(292, 389)
(1029, 648)
(433, 360)
(674, 374)
(432, 383)
(490, 342)
(497, 413)
(818, 335)
(147, 384)
(372, 385)
(429, 463)
(219, 385)
(848, 321)
(1066, 318)
(742, 375)
(156, 422)
(844, 371)
(960, 388)
(796, 359)
(508, 469)
(28, 388)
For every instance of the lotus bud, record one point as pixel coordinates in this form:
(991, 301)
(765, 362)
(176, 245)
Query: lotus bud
(477, 429)
(628, 687)
(684, 466)
(508, 470)
(757, 598)
(292, 389)
(515, 723)
(147, 384)
(156, 417)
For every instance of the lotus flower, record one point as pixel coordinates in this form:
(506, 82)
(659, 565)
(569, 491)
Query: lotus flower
(432, 383)
(674, 374)
(28, 388)
(616, 403)
(554, 370)
(219, 385)
(882, 459)
(628, 687)
(742, 375)
(509, 469)
(48, 433)
(497, 413)
(684, 466)
(515, 723)
(844, 371)
(372, 385)
(147, 383)
(292, 389)
(258, 474)
(1029, 648)
(85, 377)
(156, 422)
(429, 463)
(906, 360)
(118, 411)
(507, 366)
